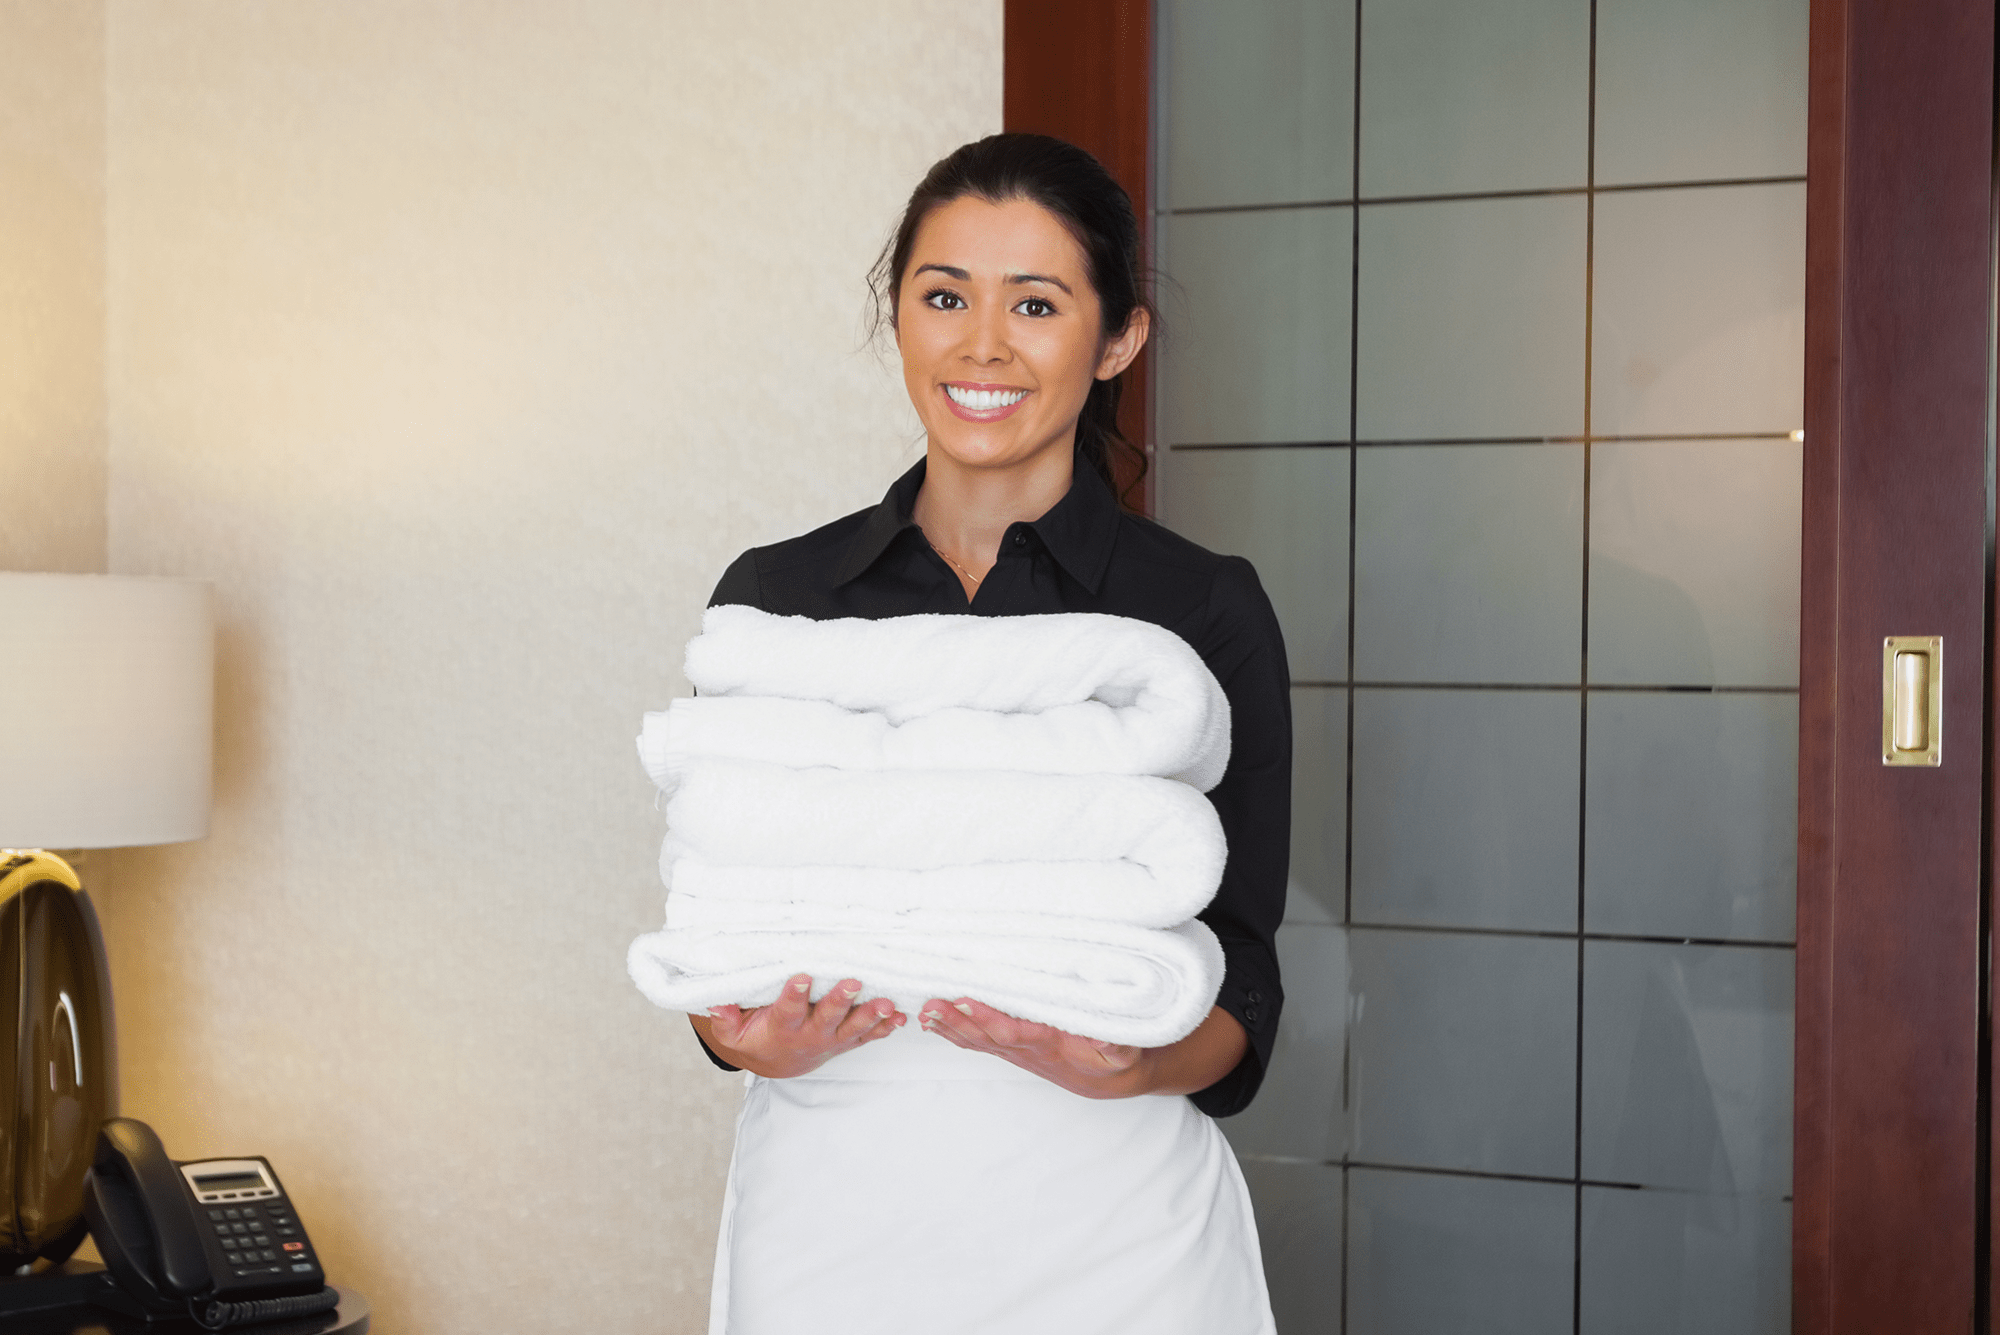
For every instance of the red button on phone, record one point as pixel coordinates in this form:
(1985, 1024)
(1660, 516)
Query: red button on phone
(295, 1246)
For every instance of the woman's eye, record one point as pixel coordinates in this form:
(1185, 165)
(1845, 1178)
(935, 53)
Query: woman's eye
(944, 299)
(1036, 307)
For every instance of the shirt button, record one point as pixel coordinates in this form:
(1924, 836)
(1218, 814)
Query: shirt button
(1253, 997)
(1250, 1015)
(1020, 539)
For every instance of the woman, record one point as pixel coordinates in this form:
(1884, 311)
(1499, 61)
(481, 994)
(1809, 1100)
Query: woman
(1012, 1176)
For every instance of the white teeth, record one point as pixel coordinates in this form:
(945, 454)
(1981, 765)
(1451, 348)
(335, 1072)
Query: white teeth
(980, 400)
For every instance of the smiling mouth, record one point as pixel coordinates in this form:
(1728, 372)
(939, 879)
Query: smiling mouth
(984, 400)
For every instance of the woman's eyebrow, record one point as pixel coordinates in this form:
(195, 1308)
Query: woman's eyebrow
(1013, 278)
(1039, 278)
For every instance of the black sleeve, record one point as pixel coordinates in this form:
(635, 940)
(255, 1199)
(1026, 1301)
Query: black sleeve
(738, 585)
(1242, 646)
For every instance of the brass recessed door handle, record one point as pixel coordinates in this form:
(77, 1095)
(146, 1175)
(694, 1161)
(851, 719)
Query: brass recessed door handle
(1912, 699)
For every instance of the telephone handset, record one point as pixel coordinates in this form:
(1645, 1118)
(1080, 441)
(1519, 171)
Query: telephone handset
(216, 1240)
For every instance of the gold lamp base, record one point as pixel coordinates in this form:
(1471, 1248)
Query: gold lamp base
(58, 1060)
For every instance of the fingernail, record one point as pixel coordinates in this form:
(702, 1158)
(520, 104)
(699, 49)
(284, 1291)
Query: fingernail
(801, 987)
(854, 991)
(931, 1015)
(961, 1007)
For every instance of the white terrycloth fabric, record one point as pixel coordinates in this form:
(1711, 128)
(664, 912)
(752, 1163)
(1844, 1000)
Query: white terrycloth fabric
(1067, 693)
(1122, 891)
(942, 806)
(750, 815)
(1114, 982)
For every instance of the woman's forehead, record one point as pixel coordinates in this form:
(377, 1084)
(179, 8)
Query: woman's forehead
(987, 239)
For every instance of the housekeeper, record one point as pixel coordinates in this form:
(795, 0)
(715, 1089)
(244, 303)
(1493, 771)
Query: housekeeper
(979, 1172)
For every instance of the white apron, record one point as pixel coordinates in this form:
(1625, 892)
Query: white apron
(912, 1186)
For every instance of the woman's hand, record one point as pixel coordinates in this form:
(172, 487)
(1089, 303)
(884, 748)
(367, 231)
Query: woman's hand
(1089, 1066)
(792, 1035)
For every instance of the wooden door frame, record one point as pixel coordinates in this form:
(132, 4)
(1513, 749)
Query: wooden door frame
(1891, 1119)
(1082, 70)
(1889, 1171)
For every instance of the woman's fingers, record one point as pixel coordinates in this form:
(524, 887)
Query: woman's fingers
(997, 1027)
(835, 1006)
(865, 1022)
(726, 1023)
(972, 1024)
(792, 1007)
(1053, 1053)
(1095, 1057)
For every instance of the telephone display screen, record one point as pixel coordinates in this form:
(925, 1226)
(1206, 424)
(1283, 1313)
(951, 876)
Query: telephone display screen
(229, 1182)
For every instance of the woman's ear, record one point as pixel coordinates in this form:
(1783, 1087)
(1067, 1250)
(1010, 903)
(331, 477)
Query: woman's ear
(1120, 351)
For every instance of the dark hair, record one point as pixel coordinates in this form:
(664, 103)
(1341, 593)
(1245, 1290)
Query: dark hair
(1072, 185)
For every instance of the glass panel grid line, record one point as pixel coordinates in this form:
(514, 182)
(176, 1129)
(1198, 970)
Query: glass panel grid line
(1583, 702)
(1387, 1166)
(1600, 688)
(1353, 553)
(1435, 929)
(1366, 201)
(1353, 562)
(1662, 438)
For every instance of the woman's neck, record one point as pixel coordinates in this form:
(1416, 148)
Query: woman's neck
(964, 512)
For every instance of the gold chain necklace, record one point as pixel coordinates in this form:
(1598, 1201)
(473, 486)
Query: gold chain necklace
(947, 560)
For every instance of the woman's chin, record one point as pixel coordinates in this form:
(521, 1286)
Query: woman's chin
(988, 452)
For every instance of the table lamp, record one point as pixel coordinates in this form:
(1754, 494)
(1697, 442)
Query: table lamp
(106, 730)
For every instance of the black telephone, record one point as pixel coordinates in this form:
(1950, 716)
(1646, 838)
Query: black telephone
(216, 1240)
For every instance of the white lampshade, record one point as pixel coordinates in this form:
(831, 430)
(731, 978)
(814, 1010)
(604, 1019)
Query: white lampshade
(107, 708)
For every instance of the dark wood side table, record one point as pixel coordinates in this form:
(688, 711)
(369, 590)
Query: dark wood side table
(59, 1303)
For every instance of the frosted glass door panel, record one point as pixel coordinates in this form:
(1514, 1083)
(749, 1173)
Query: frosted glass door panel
(1694, 563)
(1458, 98)
(1470, 320)
(1266, 358)
(1470, 1256)
(1678, 1263)
(1699, 308)
(1692, 815)
(1451, 1063)
(1700, 90)
(1466, 564)
(1318, 889)
(1687, 1067)
(1465, 808)
(1511, 435)
(1259, 101)
(1287, 511)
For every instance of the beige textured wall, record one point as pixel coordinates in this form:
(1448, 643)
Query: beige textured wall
(52, 285)
(462, 343)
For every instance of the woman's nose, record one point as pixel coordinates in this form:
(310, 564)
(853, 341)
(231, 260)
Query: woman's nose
(986, 340)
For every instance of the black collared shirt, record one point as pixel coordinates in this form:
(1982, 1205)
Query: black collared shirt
(1085, 555)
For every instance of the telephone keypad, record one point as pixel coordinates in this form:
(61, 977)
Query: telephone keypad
(260, 1243)
(249, 1247)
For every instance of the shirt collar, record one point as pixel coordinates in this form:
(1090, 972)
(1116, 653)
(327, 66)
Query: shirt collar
(1078, 530)
(881, 526)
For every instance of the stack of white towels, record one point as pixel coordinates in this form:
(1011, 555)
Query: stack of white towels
(941, 806)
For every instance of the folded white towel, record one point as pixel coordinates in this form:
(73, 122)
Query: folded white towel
(1065, 693)
(1121, 891)
(736, 813)
(942, 806)
(1107, 980)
